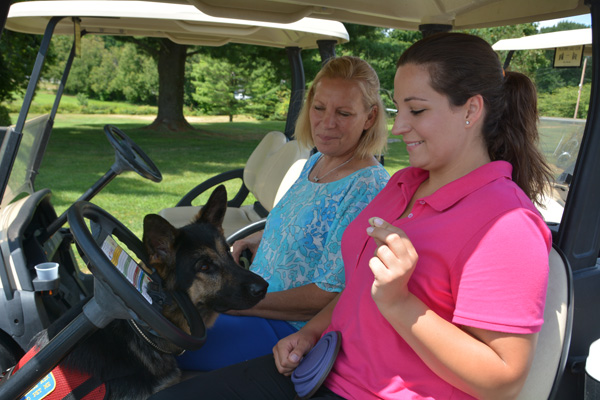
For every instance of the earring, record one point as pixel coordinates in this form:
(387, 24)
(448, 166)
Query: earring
(467, 122)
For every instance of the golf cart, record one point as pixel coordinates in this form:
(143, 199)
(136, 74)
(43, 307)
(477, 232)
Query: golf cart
(31, 232)
(577, 235)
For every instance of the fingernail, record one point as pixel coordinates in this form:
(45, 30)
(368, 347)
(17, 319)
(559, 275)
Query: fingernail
(370, 230)
(294, 358)
(377, 221)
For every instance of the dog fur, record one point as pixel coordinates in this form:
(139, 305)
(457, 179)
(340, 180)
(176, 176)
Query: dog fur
(195, 259)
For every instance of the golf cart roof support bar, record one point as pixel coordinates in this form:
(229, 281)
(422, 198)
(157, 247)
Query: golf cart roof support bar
(326, 50)
(431, 29)
(35, 74)
(13, 139)
(298, 82)
(65, 75)
(50, 124)
(575, 236)
(509, 56)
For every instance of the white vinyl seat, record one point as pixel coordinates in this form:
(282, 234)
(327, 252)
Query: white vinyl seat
(270, 171)
(554, 338)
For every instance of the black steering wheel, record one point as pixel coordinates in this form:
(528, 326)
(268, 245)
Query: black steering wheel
(111, 284)
(131, 154)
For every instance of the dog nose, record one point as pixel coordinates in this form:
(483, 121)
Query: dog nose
(258, 290)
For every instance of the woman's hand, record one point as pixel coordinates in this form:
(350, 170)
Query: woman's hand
(290, 350)
(392, 265)
(250, 242)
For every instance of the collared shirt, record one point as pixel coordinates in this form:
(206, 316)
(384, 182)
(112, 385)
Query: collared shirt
(483, 262)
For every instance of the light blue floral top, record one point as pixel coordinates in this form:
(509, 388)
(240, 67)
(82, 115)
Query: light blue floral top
(302, 236)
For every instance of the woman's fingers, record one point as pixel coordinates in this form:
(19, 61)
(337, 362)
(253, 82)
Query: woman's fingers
(392, 263)
(288, 352)
(388, 236)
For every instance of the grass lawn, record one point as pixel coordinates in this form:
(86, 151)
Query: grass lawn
(79, 154)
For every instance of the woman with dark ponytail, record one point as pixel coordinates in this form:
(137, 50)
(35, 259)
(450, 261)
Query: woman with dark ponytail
(461, 66)
(447, 268)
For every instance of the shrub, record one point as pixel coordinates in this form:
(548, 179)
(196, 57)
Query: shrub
(4, 116)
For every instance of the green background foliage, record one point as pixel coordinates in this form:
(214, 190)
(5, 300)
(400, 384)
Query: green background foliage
(252, 80)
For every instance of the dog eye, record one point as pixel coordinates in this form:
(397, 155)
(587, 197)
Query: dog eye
(204, 267)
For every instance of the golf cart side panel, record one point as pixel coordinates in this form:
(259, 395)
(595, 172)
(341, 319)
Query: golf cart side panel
(32, 307)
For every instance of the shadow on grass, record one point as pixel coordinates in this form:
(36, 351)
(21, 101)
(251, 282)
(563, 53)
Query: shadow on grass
(79, 153)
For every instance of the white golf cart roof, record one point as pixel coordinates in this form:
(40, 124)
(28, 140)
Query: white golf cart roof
(181, 23)
(399, 14)
(575, 37)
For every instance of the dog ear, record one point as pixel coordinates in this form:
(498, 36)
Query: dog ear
(159, 240)
(213, 211)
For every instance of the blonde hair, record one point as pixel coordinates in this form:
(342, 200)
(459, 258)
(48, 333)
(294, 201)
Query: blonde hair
(373, 140)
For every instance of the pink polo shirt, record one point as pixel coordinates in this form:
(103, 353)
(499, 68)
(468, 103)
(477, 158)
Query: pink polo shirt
(483, 262)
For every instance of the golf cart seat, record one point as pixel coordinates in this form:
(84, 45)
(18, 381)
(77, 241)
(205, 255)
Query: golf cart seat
(271, 169)
(554, 338)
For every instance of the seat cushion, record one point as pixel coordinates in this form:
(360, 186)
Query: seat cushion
(552, 336)
(270, 171)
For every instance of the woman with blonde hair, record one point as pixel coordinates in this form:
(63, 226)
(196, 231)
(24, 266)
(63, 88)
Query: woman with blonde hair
(299, 251)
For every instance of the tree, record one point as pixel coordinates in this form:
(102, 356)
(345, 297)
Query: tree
(262, 78)
(380, 47)
(107, 70)
(265, 93)
(171, 78)
(17, 56)
(170, 58)
(217, 82)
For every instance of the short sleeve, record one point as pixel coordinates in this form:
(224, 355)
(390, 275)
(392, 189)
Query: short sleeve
(501, 277)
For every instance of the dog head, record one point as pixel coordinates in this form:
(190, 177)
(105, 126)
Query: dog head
(197, 260)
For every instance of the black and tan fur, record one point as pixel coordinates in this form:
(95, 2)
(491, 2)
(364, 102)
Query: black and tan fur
(194, 259)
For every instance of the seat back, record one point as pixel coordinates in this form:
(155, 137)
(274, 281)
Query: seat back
(273, 167)
(554, 338)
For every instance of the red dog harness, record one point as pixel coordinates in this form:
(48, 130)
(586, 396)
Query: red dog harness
(63, 384)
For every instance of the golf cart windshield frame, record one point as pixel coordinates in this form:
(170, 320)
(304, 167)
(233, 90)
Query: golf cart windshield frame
(39, 136)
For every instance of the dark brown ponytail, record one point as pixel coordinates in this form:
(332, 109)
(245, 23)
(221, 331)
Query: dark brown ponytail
(461, 66)
(516, 138)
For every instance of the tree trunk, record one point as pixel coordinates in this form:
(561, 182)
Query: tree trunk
(171, 78)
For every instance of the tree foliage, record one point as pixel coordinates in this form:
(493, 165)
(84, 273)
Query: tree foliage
(235, 79)
(216, 84)
(107, 70)
(17, 56)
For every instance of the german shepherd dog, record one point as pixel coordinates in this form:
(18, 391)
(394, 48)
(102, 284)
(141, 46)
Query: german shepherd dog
(194, 259)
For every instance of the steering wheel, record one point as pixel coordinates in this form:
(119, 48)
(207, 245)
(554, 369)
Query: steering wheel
(131, 154)
(119, 289)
